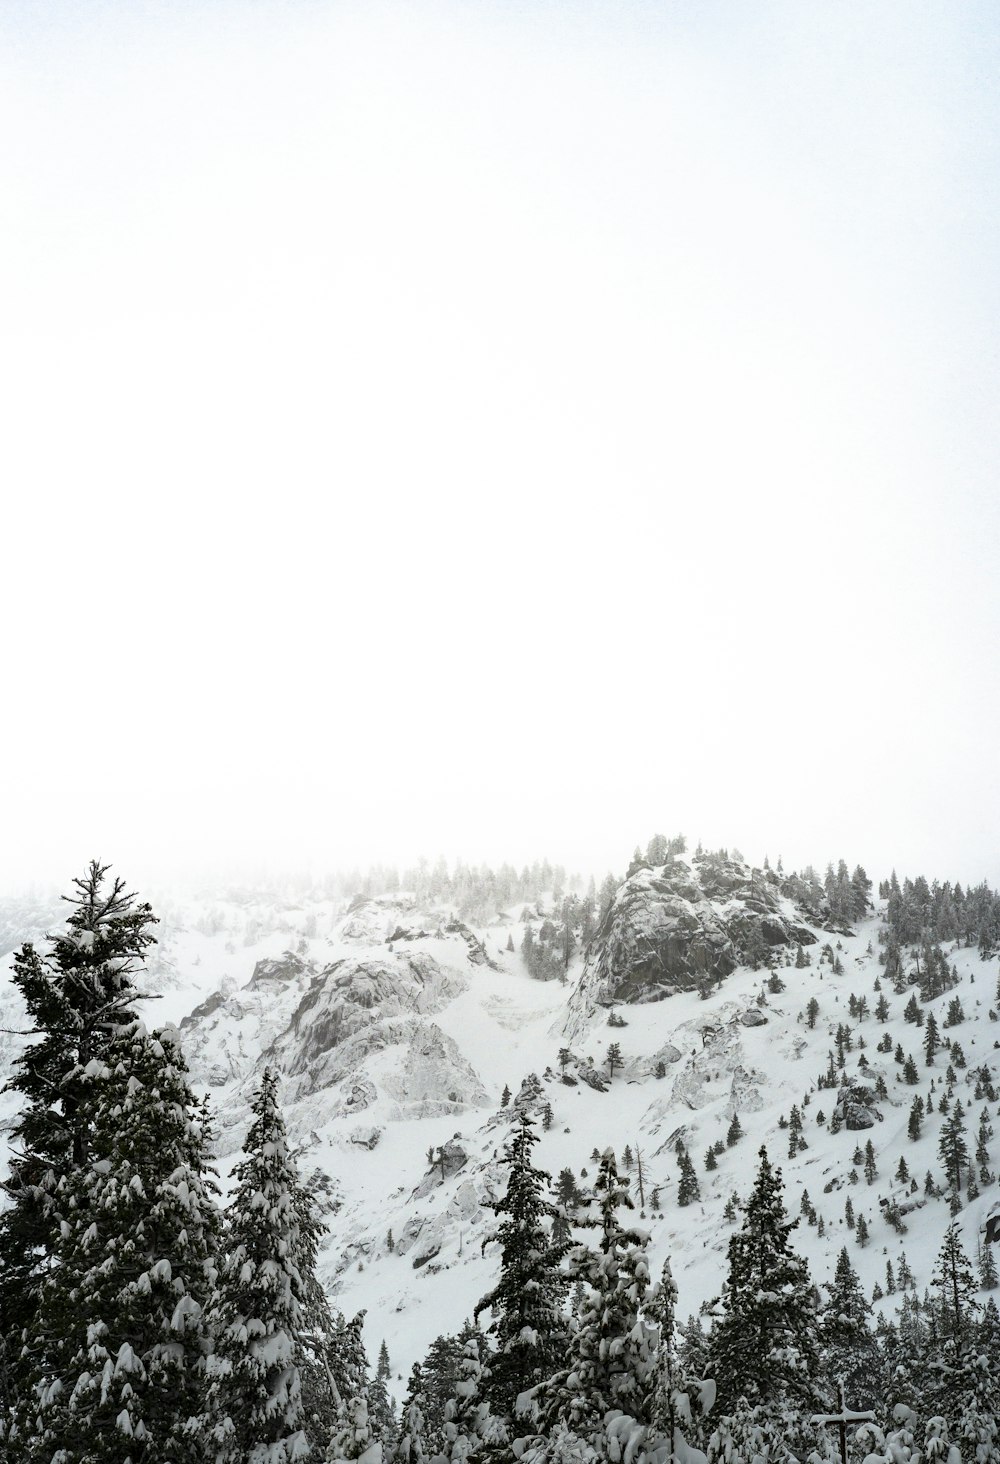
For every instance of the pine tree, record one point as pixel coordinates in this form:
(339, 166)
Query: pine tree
(952, 1147)
(254, 1401)
(669, 1405)
(687, 1185)
(380, 1408)
(469, 1426)
(735, 1132)
(614, 1059)
(354, 1437)
(610, 1354)
(931, 1039)
(440, 1374)
(526, 1303)
(849, 1348)
(119, 1341)
(765, 1344)
(77, 995)
(410, 1447)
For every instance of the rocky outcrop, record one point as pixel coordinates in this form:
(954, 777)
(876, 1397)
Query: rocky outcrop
(855, 1106)
(362, 1023)
(282, 968)
(753, 1017)
(683, 926)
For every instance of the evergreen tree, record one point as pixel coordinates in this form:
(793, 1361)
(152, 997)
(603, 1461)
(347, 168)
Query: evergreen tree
(611, 1350)
(669, 1403)
(931, 1039)
(380, 1407)
(469, 1426)
(849, 1348)
(118, 1342)
(410, 1447)
(765, 1343)
(953, 1148)
(687, 1185)
(77, 995)
(526, 1303)
(354, 1438)
(440, 1374)
(254, 1400)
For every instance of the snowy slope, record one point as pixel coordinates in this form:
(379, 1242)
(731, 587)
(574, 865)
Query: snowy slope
(397, 1028)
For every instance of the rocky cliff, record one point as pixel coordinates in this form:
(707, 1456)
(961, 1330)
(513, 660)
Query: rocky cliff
(684, 925)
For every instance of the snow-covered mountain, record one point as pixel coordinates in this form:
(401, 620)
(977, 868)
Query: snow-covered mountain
(397, 1028)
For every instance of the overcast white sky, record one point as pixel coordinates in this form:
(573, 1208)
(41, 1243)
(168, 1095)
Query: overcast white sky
(496, 429)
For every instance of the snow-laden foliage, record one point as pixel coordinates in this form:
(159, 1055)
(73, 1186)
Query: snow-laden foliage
(765, 1346)
(253, 1412)
(77, 994)
(609, 1359)
(116, 1353)
(526, 1303)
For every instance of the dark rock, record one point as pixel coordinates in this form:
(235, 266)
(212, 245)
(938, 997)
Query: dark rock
(683, 927)
(753, 1017)
(477, 951)
(282, 968)
(855, 1106)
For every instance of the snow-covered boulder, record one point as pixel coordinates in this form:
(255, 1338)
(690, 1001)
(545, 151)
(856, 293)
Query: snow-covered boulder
(855, 1106)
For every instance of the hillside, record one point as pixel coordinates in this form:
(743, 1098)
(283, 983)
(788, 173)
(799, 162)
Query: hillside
(397, 1027)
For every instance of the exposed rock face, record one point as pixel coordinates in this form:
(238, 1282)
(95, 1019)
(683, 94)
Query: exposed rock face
(351, 995)
(855, 1106)
(363, 1023)
(753, 1017)
(285, 968)
(672, 928)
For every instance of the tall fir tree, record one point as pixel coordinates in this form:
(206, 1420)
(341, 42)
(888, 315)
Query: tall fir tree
(380, 1404)
(849, 1349)
(410, 1445)
(765, 1345)
(609, 1360)
(254, 1403)
(77, 994)
(119, 1341)
(526, 1303)
(470, 1428)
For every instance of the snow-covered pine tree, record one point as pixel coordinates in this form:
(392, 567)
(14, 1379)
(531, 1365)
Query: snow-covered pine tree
(687, 1184)
(410, 1447)
(765, 1344)
(470, 1427)
(957, 1381)
(669, 1406)
(440, 1369)
(118, 1342)
(253, 1404)
(354, 1438)
(850, 1351)
(380, 1406)
(526, 1303)
(609, 1360)
(77, 994)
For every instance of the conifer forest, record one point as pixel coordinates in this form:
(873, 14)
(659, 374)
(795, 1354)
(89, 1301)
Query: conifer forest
(151, 1313)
